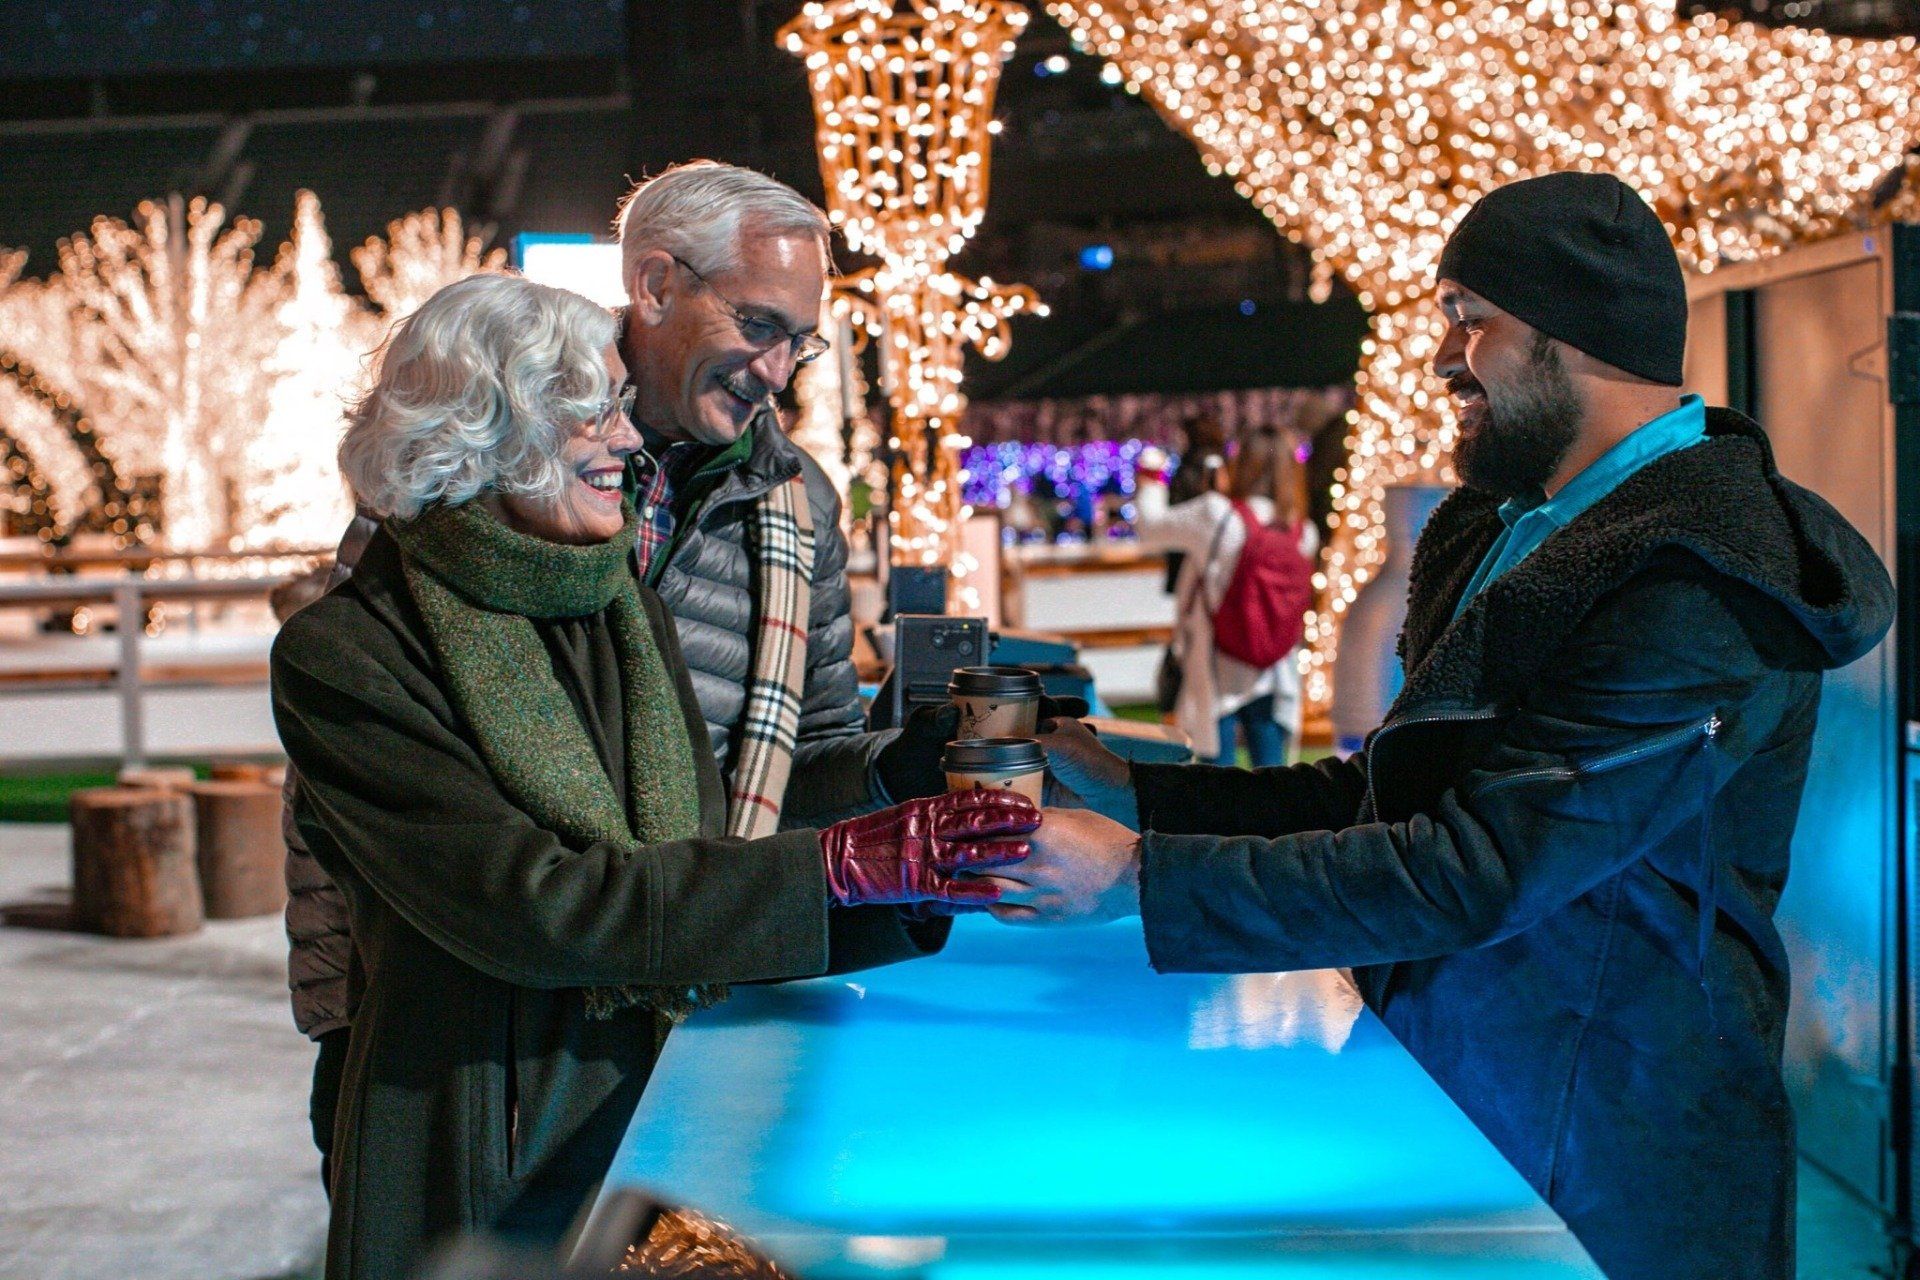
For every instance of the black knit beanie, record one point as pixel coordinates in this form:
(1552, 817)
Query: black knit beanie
(1582, 258)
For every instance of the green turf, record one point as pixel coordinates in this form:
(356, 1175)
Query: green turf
(42, 797)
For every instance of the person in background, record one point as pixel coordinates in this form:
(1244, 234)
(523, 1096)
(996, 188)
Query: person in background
(505, 770)
(1220, 698)
(1201, 461)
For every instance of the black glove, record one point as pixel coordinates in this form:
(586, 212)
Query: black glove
(1052, 708)
(909, 766)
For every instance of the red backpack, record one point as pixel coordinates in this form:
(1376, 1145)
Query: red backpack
(1263, 614)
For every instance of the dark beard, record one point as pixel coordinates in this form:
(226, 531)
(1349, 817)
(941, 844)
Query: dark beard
(1522, 433)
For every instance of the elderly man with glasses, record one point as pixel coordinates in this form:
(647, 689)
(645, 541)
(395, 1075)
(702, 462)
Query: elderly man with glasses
(739, 533)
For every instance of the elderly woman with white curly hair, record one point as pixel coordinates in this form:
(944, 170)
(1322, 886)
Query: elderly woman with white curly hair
(503, 765)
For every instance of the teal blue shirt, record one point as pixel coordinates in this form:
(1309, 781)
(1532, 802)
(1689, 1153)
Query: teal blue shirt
(1530, 521)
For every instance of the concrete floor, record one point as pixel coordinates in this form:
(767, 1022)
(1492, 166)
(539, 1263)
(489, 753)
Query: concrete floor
(152, 1098)
(153, 1106)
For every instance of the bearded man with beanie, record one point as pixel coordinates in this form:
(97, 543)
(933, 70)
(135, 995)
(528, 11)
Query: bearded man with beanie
(1554, 866)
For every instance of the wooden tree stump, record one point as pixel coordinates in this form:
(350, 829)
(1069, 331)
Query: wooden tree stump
(133, 863)
(237, 771)
(159, 778)
(243, 858)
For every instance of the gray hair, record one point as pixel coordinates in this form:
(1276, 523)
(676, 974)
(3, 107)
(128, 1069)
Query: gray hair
(478, 389)
(697, 211)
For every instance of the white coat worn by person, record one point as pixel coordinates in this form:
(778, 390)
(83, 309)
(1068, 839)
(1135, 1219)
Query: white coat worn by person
(1220, 695)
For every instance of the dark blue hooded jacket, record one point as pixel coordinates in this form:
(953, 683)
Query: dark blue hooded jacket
(1612, 734)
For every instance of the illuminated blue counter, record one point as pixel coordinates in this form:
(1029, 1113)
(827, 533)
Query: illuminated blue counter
(1041, 1104)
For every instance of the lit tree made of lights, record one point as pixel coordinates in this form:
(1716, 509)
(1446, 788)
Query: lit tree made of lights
(421, 254)
(108, 507)
(1366, 128)
(65, 483)
(172, 328)
(903, 98)
(294, 495)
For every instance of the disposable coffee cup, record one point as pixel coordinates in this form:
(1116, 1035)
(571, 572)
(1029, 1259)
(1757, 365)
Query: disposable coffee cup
(996, 702)
(1007, 764)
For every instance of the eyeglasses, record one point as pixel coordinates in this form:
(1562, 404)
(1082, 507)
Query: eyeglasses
(616, 406)
(760, 333)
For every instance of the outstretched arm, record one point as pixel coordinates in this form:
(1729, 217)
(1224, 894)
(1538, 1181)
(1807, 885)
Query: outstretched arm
(1625, 744)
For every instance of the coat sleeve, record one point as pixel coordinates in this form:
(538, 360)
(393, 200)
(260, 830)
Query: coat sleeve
(319, 939)
(1205, 799)
(1602, 763)
(394, 797)
(832, 756)
(868, 937)
(1185, 526)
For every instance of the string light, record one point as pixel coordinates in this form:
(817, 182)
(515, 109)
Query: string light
(1366, 128)
(421, 254)
(28, 319)
(117, 511)
(33, 510)
(903, 102)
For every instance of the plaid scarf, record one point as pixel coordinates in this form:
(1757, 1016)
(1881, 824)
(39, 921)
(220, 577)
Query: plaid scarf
(780, 541)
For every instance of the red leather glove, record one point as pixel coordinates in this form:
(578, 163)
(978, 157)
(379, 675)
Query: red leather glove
(913, 851)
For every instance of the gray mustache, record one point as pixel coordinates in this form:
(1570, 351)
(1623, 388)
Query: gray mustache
(747, 388)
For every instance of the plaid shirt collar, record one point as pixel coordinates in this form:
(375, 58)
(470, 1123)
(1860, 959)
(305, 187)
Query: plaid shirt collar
(658, 480)
(651, 485)
(654, 476)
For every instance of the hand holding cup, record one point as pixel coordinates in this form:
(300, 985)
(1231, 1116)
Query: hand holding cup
(1099, 777)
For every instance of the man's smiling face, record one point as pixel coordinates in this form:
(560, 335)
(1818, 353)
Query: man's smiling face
(1519, 409)
(700, 378)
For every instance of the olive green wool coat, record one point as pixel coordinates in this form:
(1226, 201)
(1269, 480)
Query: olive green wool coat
(478, 1094)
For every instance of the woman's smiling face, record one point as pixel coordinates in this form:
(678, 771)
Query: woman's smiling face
(587, 508)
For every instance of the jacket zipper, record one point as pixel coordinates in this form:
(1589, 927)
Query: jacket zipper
(1707, 731)
(512, 1085)
(1373, 800)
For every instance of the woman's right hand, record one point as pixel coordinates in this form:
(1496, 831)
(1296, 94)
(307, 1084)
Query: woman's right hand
(921, 851)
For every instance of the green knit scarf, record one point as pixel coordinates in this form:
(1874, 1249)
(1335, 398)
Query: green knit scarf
(477, 584)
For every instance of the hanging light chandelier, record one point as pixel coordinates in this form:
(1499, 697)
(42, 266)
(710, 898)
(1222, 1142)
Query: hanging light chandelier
(903, 102)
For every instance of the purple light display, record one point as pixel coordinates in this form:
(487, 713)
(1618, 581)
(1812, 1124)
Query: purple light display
(1075, 491)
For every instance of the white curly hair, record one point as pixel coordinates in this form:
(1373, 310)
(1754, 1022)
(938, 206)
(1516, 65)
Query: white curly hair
(479, 389)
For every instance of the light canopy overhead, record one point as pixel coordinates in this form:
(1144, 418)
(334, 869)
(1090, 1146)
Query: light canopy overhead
(1366, 128)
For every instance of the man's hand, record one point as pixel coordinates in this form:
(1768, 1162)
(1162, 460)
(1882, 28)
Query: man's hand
(1081, 868)
(1100, 778)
